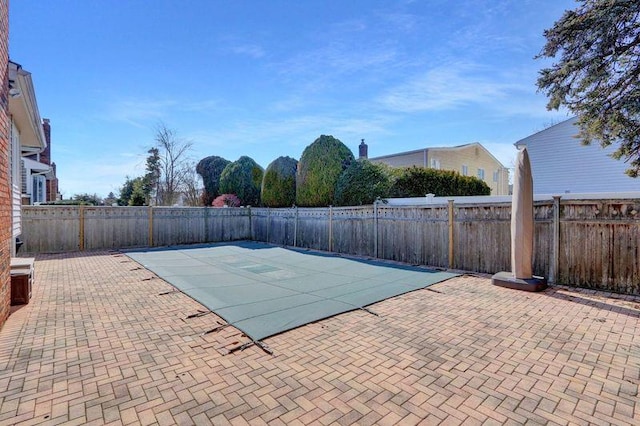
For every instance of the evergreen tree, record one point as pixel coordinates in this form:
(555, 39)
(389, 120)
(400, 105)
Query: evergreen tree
(597, 75)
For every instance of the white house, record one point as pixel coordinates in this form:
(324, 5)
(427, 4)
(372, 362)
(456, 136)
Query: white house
(561, 164)
(27, 139)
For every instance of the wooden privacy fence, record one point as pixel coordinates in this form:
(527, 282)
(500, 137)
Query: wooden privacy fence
(586, 243)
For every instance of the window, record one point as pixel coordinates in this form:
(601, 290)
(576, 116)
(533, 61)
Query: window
(38, 195)
(496, 176)
(481, 174)
(16, 161)
(465, 171)
(435, 164)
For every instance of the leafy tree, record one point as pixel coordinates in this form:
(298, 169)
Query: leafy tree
(138, 196)
(279, 183)
(419, 181)
(125, 192)
(598, 73)
(319, 168)
(210, 168)
(132, 192)
(87, 199)
(362, 182)
(173, 163)
(151, 178)
(243, 178)
(111, 198)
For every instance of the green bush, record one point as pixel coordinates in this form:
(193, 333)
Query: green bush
(279, 183)
(319, 168)
(419, 181)
(67, 203)
(242, 178)
(362, 182)
(210, 168)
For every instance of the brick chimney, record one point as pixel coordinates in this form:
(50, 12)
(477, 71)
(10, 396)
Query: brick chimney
(364, 150)
(45, 156)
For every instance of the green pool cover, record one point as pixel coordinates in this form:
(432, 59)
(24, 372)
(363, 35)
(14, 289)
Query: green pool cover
(264, 290)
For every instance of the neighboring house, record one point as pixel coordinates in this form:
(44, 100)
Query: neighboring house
(39, 181)
(471, 159)
(27, 140)
(561, 164)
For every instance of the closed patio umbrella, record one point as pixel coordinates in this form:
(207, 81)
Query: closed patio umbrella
(522, 228)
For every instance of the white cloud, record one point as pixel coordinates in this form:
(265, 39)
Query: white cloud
(251, 50)
(445, 87)
(138, 112)
(335, 59)
(144, 112)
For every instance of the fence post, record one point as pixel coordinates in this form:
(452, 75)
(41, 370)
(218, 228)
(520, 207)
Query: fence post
(81, 228)
(206, 224)
(268, 223)
(450, 210)
(295, 227)
(150, 215)
(555, 250)
(330, 228)
(250, 225)
(375, 228)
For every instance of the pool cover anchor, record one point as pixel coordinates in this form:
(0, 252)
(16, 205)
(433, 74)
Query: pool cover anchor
(369, 311)
(215, 329)
(199, 313)
(173, 290)
(244, 346)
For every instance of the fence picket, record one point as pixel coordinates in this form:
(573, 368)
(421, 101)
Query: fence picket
(590, 243)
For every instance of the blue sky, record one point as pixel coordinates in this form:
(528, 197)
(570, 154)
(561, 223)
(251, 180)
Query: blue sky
(266, 78)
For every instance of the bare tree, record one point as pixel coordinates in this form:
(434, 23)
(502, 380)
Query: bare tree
(192, 189)
(174, 165)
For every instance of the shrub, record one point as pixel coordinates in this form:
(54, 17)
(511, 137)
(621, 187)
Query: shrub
(210, 168)
(419, 181)
(67, 203)
(319, 168)
(362, 182)
(243, 178)
(229, 200)
(279, 183)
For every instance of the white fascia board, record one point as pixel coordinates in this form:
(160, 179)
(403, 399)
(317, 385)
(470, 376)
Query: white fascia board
(24, 110)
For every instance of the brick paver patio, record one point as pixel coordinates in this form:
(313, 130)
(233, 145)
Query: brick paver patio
(98, 344)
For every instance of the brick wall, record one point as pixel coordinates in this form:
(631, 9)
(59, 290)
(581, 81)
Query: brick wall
(5, 181)
(45, 156)
(52, 186)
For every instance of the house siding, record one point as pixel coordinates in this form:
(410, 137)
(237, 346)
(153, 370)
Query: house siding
(473, 155)
(5, 181)
(561, 164)
(407, 159)
(17, 181)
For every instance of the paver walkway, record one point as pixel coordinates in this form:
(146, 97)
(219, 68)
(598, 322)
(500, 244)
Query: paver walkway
(98, 344)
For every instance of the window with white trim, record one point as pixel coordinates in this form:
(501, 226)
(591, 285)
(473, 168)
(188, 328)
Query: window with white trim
(481, 174)
(38, 189)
